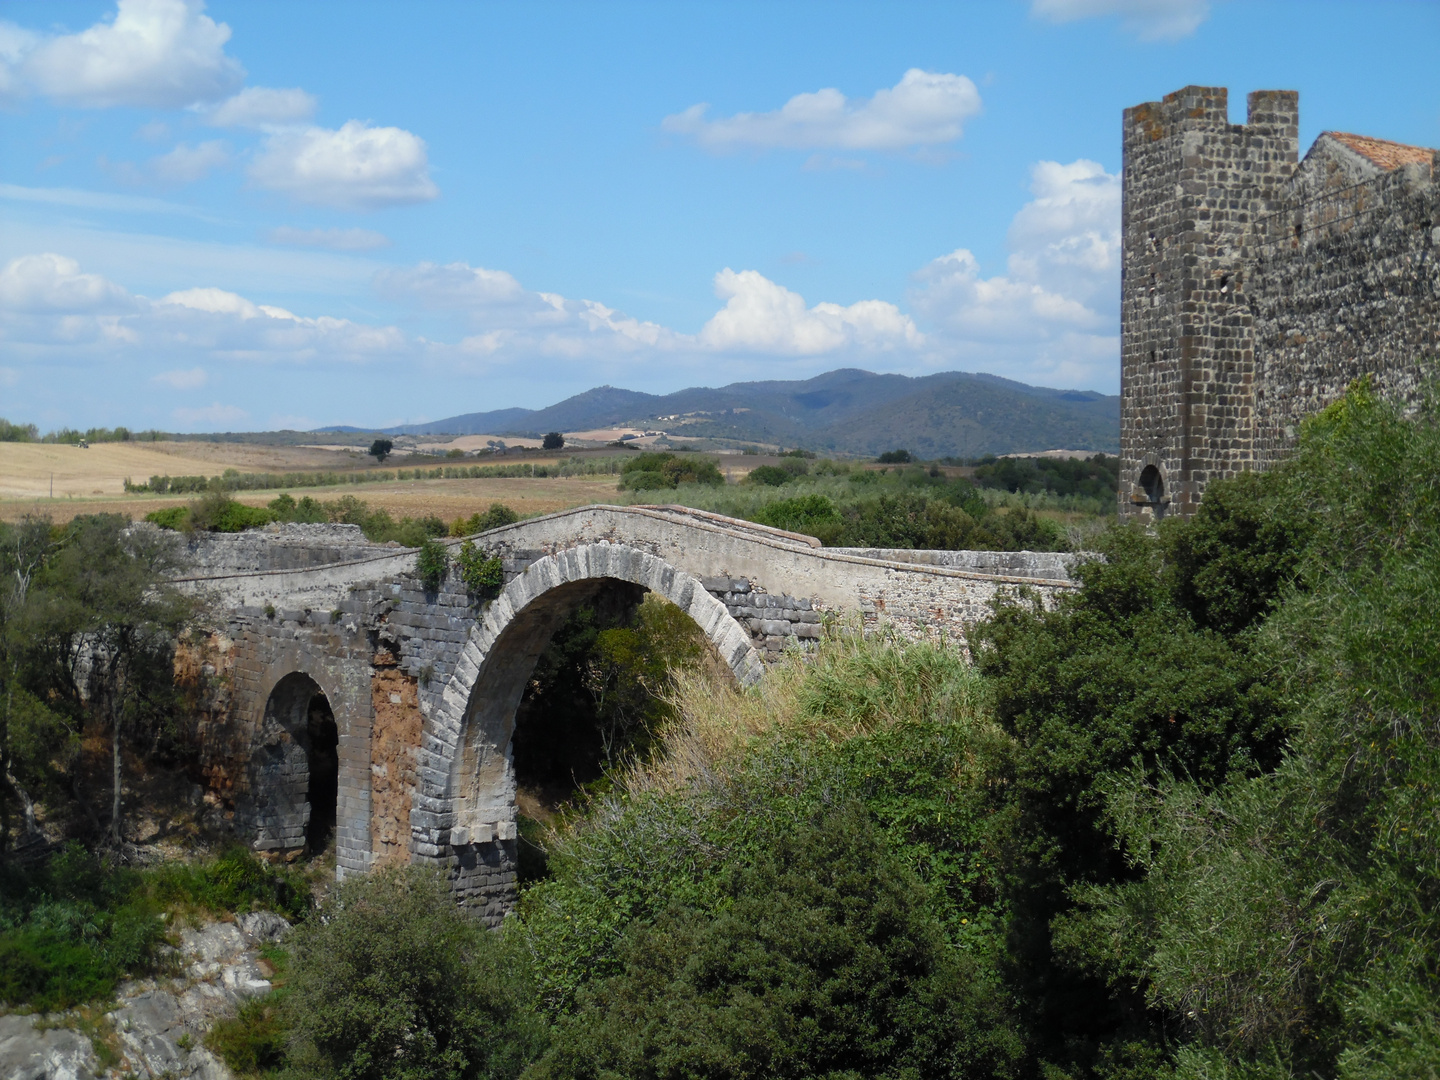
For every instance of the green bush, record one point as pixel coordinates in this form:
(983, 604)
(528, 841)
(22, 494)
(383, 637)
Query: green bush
(71, 929)
(432, 562)
(652, 471)
(820, 959)
(218, 512)
(814, 515)
(393, 980)
(172, 517)
(771, 475)
(498, 516)
(895, 457)
(483, 574)
(253, 1041)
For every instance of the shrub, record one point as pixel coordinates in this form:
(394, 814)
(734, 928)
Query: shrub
(814, 515)
(172, 517)
(393, 980)
(72, 928)
(218, 512)
(769, 475)
(553, 441)
(895, 457)
(496, 517)
(254, 1040)
(652, 470)
(431, 563)
(821, 960)
(483, 574)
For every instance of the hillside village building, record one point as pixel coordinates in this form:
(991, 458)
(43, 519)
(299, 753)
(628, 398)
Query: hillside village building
(1256, 286)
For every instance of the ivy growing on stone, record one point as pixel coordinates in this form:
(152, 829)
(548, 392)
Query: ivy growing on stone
(482, 573)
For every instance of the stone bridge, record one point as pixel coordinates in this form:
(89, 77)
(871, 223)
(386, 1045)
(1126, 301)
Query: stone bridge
(338, 685)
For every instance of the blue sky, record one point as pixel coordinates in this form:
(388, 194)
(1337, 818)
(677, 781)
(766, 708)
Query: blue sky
(246, 215)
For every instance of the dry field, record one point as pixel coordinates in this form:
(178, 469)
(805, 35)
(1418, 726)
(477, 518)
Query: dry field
(92, 481)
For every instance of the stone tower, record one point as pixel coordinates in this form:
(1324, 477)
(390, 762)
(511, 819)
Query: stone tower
(1255, 288)
(1193, 186)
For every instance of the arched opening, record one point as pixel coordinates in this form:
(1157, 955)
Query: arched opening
(1152, 483)
(295, 778)
(469, 741)
(324, 760)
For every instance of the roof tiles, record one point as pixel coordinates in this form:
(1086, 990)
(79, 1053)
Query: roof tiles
(1382, 152)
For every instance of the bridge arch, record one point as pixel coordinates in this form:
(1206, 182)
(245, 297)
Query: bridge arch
(467, 794)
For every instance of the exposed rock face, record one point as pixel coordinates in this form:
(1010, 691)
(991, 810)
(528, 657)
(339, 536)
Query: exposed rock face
(159, 1024)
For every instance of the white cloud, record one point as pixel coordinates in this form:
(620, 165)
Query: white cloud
(1068, 237)
(258, 106)
(761, 316)
(188, 379)
(158, 53)
(211, 414)
(15, 43)
(186, 164)
(331, 239)
(1150, 20)
(458, 286)
(1054, 317)
(52, 283)
(357, 167)
(923, 109)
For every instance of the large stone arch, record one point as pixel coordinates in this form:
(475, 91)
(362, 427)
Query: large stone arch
(467, 786)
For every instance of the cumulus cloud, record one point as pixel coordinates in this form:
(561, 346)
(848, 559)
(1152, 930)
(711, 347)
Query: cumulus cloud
(356, 167)
(157, 53)
(52, 283)
(761, 316)
(186, 164)
(1054, 316)
(188, 379)
(260, 106)
(1067, 238)
(923, 109)
(332, 239)
(1150, 20)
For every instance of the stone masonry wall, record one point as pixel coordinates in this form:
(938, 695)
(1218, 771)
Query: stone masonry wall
(385, 653)
(1254, 288)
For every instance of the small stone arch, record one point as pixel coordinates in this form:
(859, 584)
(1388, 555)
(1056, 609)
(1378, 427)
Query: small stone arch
(467, 785)
(1151, 491)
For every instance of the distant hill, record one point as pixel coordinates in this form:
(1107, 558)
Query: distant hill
(845, 411)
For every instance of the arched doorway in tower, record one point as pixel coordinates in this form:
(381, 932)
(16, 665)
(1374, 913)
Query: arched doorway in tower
(296, 776)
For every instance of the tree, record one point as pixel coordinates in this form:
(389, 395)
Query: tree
(380, 449)
(553, 441)
(105, 625)
(25, 723)
(392, 980)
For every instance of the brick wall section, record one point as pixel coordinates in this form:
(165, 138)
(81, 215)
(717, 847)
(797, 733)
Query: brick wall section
(1254, 287)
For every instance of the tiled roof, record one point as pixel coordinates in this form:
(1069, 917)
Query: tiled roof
(1382, 152)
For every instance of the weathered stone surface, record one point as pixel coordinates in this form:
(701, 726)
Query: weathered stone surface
(424, 686)
(1256, 287)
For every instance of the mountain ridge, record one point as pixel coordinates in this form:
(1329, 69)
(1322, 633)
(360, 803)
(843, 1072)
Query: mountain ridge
(847, 410)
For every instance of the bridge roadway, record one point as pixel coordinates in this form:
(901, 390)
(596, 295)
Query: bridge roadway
(423, 686)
